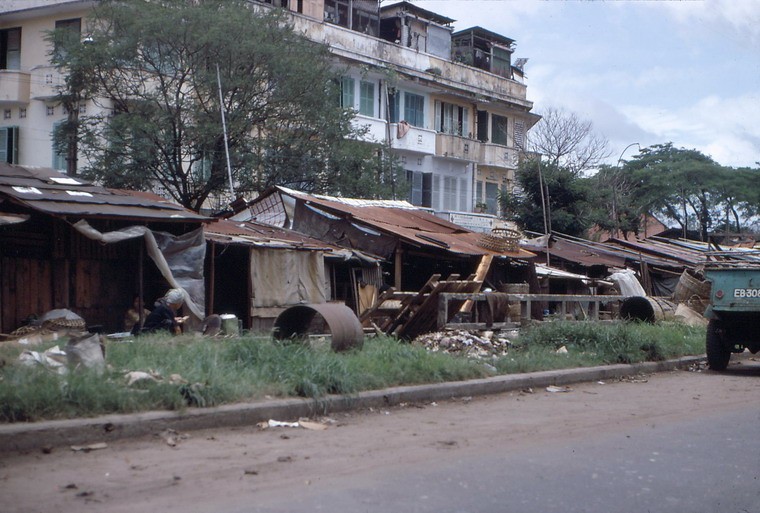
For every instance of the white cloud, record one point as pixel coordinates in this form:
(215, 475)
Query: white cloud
(723, 128)
(740, 18)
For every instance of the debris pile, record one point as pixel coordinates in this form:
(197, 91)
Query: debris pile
(474, 344)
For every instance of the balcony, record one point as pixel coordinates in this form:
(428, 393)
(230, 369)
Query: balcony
(46, 83)
(418, 140)
(376, 131)
(357, 47)
(14, 87)
(457, 147)
(497, 155)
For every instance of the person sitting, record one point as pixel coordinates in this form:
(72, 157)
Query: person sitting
(164, 315)
(132, 316)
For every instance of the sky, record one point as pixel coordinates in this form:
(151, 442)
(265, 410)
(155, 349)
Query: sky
(646, 72)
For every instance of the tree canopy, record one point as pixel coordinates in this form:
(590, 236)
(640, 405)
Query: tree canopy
(157, 68)
(568, 141)
(676, 185)
(693, 190)
(567, 196)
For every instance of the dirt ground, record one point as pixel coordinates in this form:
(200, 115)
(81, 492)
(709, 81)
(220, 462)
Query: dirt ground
(192, 471)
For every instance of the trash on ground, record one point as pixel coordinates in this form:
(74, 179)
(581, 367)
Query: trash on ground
(474, 344)
(53, 359)
(314, 426)
(88, 448)
(558, 389)
(561, 350)
(86, 351)
(305, 424)
(136, 376)
(172, 437)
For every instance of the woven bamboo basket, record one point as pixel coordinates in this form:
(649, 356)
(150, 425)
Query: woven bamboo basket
(500, 240)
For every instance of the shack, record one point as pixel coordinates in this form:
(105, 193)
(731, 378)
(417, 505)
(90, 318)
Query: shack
(67, 243)
(412, 242)
(255, 271)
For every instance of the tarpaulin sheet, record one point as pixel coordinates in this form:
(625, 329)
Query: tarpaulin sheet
(287, 277)
(179, 258)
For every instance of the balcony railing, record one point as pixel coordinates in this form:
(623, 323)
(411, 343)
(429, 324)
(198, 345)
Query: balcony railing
(496, 155)
(455, 146)
(14, 87)
(46, 82)
(415, 139)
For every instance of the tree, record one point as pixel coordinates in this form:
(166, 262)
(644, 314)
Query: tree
(613, 207)
(156, 67)
(679, 184)
(567, 196)
(568, 141)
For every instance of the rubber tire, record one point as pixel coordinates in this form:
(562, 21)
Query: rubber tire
(718, 353)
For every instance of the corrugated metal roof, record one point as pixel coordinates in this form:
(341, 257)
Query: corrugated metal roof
(51, 192)
(415, 226)
(257, 234)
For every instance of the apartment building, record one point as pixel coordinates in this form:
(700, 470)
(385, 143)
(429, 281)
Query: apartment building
(451, 105)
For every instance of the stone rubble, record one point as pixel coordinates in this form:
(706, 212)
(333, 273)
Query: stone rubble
(473, 344)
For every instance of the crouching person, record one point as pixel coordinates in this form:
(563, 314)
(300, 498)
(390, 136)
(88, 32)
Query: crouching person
(164, 317)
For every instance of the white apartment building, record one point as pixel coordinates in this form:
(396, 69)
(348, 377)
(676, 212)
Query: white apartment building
(452, 106)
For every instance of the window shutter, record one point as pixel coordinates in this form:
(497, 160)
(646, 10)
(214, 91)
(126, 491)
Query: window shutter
(9, 144)
(465, 122)
(438, 124)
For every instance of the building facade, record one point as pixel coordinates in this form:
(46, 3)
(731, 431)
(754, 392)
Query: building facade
(452, 106)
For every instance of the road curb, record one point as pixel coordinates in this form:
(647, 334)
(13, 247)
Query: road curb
(49, 434)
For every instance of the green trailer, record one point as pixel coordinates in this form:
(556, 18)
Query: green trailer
(733, 312)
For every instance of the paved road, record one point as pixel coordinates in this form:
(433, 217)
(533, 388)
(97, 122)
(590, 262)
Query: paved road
(671, 442)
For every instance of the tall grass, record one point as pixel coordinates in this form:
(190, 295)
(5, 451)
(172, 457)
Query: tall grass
(208, 372)
(591, 343)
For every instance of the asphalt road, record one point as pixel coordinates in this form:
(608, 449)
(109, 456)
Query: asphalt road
(670, 442)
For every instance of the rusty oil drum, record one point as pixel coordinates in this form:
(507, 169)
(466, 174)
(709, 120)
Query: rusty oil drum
(345, 329)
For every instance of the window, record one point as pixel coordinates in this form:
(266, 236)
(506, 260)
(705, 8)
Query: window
(367, 98)
(498, 129)
(492, 197)
(519, 135)
(22, 112)
(450, 193)
(50, 110)
(393, 106)
(420, 188)
(347, 93)
(59, 151)
(10, 48)
(9, 144)
(482, 126)
(71, 32)
(451, 119)
(414, 109)
(7, 114)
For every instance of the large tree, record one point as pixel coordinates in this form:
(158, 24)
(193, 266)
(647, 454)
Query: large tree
(566, 196)
(568, 141)
(681, 184)
(156, 67)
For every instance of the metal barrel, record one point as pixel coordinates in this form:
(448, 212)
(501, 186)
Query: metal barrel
(345, 330)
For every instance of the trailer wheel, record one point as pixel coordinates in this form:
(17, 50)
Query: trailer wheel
(718, 353)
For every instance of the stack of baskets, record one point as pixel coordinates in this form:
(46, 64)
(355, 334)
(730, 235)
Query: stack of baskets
(501, 239)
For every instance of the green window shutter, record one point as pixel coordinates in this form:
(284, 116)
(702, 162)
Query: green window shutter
(9, 144)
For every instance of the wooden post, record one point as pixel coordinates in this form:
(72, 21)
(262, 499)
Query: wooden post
(211, 279)
(397, 268)
(140, 290)
(480, 275)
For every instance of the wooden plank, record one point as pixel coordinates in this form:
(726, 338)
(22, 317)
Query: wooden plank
(480, 275)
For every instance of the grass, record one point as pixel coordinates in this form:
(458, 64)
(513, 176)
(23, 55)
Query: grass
(206, 372)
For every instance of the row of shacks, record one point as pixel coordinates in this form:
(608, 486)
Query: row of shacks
(68, 244)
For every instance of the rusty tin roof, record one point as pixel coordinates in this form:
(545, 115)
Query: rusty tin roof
(51, 192)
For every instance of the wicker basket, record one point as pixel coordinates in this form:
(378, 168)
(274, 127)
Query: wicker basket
(501, 240)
